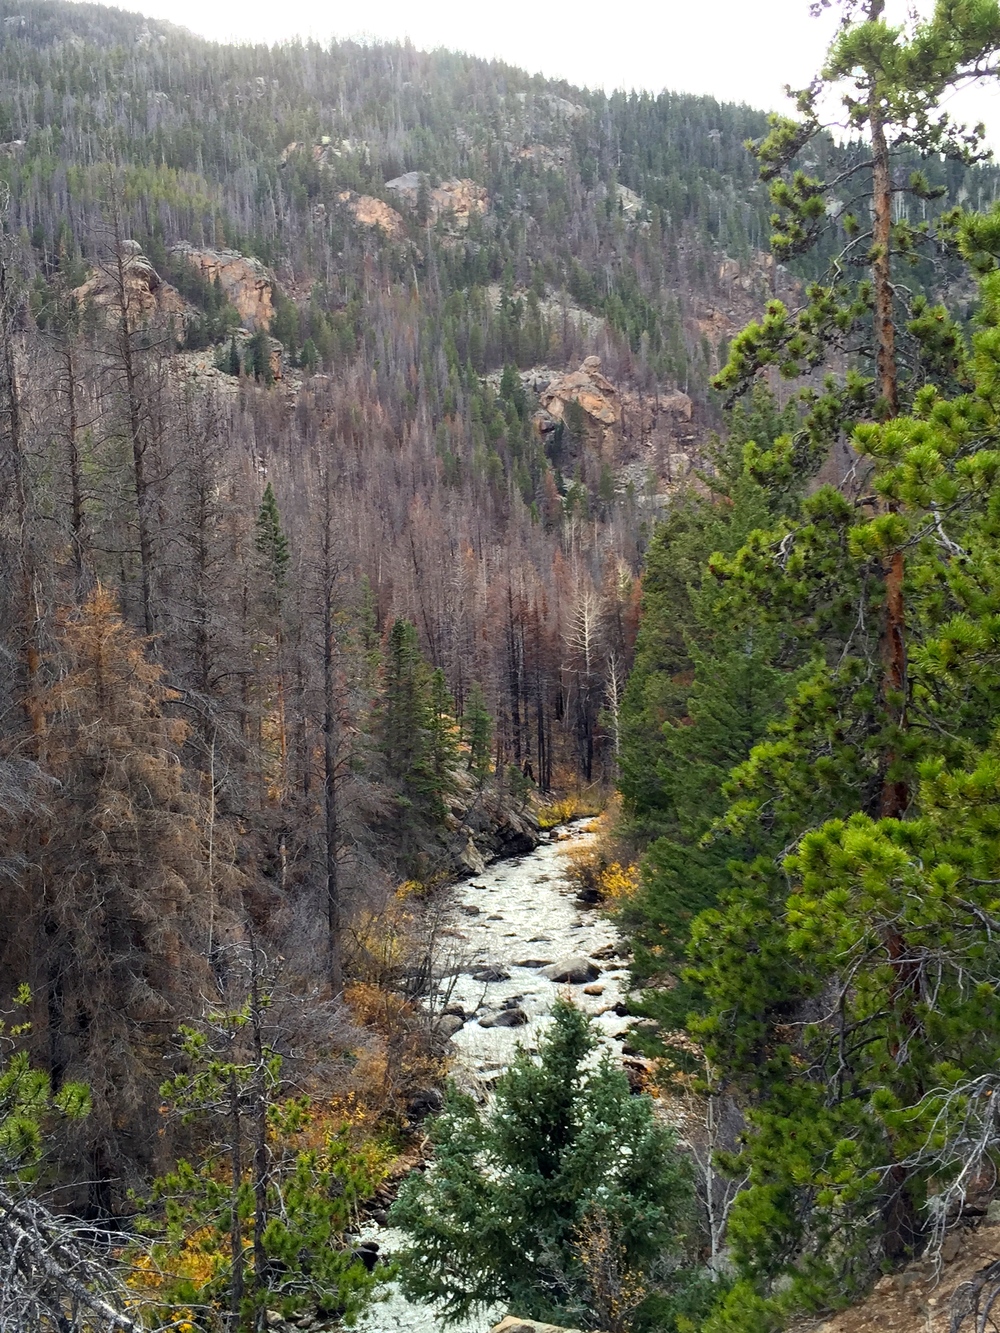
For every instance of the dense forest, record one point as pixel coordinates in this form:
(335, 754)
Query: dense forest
(399, 452)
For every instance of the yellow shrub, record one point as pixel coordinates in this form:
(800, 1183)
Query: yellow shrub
(574, 804)
(617, 882)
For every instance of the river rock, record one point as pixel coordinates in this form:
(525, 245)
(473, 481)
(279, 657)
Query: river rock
(471, 859)
(490, 974)
(506, 1018)
(593, 990)
(575, 969)
(424, 1102)
(609, 951)
(533, 962)
(449, 1024)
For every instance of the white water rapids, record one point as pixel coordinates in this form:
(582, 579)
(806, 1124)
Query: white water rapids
(518, 912)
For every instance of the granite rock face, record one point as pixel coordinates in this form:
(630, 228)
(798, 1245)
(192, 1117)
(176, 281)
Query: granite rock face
(595, 395)
(245, 282)
(149, 299)
(456, 200)
(370, 212)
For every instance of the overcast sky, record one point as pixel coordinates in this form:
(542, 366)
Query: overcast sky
(737, 50)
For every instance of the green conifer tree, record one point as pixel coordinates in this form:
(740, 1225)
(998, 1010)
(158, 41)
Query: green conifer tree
(503, 1214)
(846, 981)
(271, 540)
(270, 1214)
(477, 728)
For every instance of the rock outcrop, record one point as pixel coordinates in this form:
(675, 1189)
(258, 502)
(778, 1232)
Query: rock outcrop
(630, 204)
(246, 283)
(370, 212)
(326, 151)
(595, 395)
(150, 299)
(454, 200)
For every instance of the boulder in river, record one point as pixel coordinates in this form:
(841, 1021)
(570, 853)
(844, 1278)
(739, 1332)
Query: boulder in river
(449, 1024)
(492, 974)
(506, 1018)
(533, 962)
(575, 969)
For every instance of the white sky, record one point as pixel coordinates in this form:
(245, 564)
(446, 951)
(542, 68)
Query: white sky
(737, 50)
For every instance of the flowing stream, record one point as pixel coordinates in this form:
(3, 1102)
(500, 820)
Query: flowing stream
(501, 928)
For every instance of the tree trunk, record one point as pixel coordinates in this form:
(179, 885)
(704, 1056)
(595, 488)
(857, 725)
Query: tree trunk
(260, 1153)
(236, 1230)
(895, 795)
(22, 551)
(137, 440)
(330, 793)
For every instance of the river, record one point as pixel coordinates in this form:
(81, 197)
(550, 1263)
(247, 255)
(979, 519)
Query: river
(508, 923)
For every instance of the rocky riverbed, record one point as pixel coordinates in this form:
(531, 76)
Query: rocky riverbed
(514, 939)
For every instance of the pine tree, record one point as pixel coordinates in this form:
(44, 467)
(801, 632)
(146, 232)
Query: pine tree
(442, 741)
(274, 552)
(258, 357)
(846, 982)
(477, 728)
(417, 728)
(502, 1215)
(822, 1012)
(271, 1223)
(126, 892)
(271, 540)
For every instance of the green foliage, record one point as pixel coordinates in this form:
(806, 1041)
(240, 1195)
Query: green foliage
(843, 973)
(258, 357)
(271, 540)
(27, 1101)
(708, 679)
(892, 82)
(477, 730)
(849, 985)
(416, 728)
(258, 1221)
(502, 1213)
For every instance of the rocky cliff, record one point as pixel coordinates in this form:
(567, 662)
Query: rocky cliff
(246, 283)
(149, 299)
(370, 212)
(454, 200)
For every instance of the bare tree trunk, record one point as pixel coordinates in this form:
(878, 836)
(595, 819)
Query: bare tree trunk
(902, 1227)
(330, 730)
(134, 415)
(236, 1281)
(77, 514)
(13, 478)
(260, 1154)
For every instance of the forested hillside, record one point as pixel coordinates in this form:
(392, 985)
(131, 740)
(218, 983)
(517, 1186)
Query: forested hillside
(395, 450)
